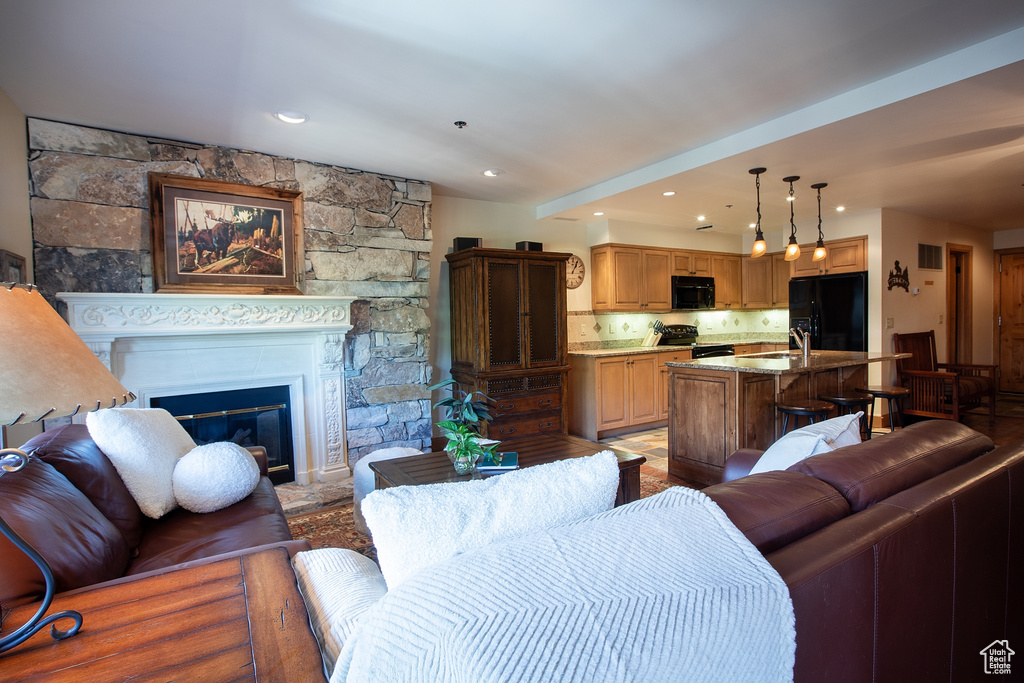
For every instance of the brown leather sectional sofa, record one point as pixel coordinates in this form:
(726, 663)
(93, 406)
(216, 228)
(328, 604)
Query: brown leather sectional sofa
(70, 504)
(904, 555)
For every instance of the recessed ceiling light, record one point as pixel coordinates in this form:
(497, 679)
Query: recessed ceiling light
(599, 213)
(840, 208)
(701, 218)
(668, 194)
(291, 116)
(493, 172)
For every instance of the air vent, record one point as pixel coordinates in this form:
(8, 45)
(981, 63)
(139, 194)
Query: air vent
(929, 257)
(705, 227)
(564, 218)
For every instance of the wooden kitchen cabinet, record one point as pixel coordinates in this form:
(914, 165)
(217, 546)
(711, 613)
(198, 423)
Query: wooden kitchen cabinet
(613, 392)
(757, 281)
(509, 337)
(630, 279)
(668, 357)
(695, 263)
(844, 256)
(780, 280)
(725, 268)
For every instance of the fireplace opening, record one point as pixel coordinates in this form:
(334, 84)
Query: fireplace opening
(249, 417)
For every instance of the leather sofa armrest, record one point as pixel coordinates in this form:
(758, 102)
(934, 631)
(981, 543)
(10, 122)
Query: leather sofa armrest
(740, 463)
(260, 453)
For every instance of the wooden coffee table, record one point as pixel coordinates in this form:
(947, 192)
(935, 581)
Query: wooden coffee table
(435, 468)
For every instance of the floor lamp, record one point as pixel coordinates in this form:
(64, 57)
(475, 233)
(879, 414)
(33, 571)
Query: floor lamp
(46, 371)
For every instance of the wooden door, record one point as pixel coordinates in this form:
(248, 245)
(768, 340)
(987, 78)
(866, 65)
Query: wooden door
(657, 280)
(667, 357)
(757, 282)
(1011, 319)
(846, 256)
(643, 390)
(700, 264)
(725, 268)
(780, 281)
(504, 304)
(627, 279)
(545, 281)
(804, 266)
(601, 278)
(612, 385)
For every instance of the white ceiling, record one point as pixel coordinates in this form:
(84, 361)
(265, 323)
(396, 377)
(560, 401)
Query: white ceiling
(586, 105)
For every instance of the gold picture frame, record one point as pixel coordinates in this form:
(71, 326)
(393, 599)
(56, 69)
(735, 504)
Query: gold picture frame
(213, 236)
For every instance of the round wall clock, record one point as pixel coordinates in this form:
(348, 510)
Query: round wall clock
(574, 272)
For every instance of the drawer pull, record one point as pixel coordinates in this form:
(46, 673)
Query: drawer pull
(506, 406)
(507, 430)
(545, 401)
(545, 425)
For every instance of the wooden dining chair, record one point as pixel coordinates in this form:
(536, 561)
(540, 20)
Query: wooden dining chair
(943, 390)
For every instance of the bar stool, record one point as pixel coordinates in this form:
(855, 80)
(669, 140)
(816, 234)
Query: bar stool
(893, 395)
(812, 409)
(849, 402)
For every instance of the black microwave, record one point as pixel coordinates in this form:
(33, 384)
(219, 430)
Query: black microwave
(693, 292)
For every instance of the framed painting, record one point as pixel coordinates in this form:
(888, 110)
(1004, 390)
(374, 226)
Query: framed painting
(12, 267)
(213, 236)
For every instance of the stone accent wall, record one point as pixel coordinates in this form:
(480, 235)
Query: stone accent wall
(366, 235)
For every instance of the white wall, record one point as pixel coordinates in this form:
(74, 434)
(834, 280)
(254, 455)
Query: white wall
(901, 234)
(15, 221)
(1008, 239)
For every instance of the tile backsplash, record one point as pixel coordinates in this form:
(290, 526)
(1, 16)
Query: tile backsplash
(589, 330)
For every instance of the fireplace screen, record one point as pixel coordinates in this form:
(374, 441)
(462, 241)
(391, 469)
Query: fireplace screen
(249, 417)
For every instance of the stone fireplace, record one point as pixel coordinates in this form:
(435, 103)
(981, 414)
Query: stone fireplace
(161, 345)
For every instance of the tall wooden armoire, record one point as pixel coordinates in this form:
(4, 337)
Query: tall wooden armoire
(509, 338)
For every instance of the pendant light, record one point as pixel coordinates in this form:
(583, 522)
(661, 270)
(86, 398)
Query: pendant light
(819, 248)
(792, 249)
(759, 245)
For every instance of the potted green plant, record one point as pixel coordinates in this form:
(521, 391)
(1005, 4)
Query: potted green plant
(465, 414)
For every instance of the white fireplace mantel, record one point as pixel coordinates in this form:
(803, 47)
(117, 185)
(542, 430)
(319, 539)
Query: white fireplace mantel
(168, 344)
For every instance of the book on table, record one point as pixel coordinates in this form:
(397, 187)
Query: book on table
(508, 460)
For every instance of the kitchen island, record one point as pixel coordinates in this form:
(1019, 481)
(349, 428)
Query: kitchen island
(717, 405)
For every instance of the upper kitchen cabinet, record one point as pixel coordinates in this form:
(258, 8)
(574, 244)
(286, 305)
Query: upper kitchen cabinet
(757, 282)
(844, 256)
(630, 279)
(780, 280)
(696, 263)
(725, 268)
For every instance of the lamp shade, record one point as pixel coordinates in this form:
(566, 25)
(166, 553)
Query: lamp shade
(45, 368)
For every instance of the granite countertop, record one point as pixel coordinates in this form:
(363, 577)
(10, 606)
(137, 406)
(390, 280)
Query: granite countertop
(632, 350)
(773, 364)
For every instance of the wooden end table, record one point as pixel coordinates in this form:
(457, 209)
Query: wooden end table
(436, 468)
(237, 619)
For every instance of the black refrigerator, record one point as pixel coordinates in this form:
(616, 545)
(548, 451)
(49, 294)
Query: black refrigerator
(834, 308)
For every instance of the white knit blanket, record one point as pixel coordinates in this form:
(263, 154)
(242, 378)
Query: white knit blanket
(663, 589)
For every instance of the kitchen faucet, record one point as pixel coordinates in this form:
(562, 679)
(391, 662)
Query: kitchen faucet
(803, 344)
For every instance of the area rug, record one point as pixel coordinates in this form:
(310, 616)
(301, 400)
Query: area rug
(333, 527)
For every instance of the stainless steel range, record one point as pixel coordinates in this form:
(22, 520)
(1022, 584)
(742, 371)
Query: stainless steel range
(687, 335)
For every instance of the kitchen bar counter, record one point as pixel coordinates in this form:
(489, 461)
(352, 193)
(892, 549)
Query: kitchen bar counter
(629, 350)
(718, 405)
(782, 362)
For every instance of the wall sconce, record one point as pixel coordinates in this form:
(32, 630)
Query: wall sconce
(792, 249)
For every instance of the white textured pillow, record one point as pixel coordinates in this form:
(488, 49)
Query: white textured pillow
(338, 586)
(143, 444)
(214, 476)
(415, 526)
(789, 450)
(839, 431)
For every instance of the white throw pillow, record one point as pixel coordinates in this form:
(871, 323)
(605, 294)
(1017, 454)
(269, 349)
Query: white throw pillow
(416, 526)
(214, 476)
(839, 431)
(338, 586)
(143, 444)
(791, 449)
